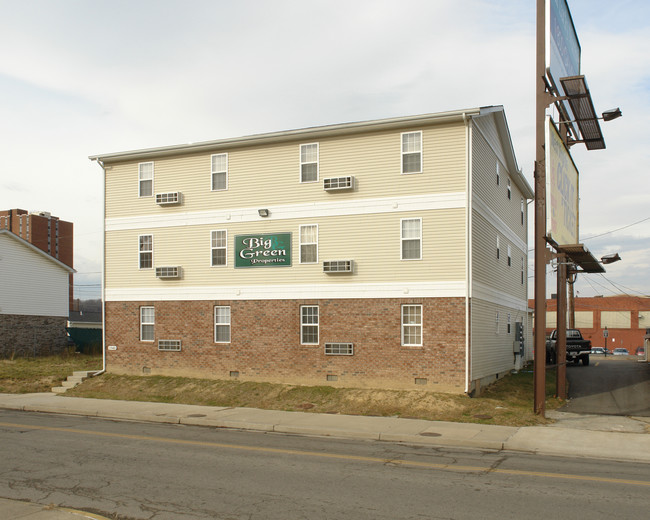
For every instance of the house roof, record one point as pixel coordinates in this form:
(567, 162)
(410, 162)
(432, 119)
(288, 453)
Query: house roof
(6, 232)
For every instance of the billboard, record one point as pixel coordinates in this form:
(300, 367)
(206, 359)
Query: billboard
(561, 190)
(263, 250)
(562, 47)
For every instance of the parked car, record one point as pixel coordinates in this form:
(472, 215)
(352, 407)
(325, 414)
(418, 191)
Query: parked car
(640, 351)
(621, 352)
(597, 350)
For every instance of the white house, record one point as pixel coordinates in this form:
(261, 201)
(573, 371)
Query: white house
(33, 298)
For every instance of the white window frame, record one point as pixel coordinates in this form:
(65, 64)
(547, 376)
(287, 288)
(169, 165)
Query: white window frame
(402, 238)
(308, 243)
(213, 247)
(142, 179)
(509, 256)
(147, 321)
(304, 322)
(416, 326)
(213, 171)
(140, 251)
(523, 207)
(226, 324)
(498, 174)
(410, 152)
(304, 163)
(509, 324)
(523, 270)
(498, 248)
(496, 323)
(509, 190)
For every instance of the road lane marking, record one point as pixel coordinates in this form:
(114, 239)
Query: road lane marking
(337, 456)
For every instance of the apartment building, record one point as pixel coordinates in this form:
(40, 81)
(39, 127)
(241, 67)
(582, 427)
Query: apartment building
(388, 253)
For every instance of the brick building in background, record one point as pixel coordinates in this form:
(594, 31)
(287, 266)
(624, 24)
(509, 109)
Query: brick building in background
(50, 234)
(626, 319)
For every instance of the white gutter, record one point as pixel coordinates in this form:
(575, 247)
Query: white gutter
(103, 271)
(468, 262)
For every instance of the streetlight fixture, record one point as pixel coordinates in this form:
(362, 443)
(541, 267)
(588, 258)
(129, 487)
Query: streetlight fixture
(613, 113)
(610, 259)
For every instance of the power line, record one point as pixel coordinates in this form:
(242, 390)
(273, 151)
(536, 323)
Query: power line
(615, 230)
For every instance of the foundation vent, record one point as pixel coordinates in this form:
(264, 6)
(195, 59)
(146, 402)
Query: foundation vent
(171, 345)
(339, 349)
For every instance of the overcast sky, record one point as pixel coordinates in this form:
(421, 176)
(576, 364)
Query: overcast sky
(79, 78)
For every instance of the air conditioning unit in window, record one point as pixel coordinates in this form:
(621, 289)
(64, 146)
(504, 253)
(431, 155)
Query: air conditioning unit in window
(338, 183)
(172, 345)
(169, 271)
(167, 199)
(339, 349)
(338, 266)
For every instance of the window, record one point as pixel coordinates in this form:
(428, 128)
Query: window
(509, 256)
(309, 244)
(222, 324)
(147, 321)
(412, 325)
(523, 209)
(498, 248)
(412, 152)
(309, 162)
(145, 178)
(509, 190)
(219, 241)
(411, 238)
(309, 324)
(508, 329)
(523, 270)
(498, 174)
(146, 251)
(219, 172)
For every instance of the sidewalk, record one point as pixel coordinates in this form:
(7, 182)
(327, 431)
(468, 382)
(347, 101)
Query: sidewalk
(573, 435)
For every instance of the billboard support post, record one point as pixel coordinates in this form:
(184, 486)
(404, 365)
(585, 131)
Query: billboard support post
(539, 369)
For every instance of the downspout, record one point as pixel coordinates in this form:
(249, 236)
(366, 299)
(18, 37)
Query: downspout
(103, 274)
(468, 247)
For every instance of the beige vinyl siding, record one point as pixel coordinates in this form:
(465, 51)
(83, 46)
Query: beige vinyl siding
(485, 188)
(371, 240)
(489, 270)
(492, 351)
(270, 175)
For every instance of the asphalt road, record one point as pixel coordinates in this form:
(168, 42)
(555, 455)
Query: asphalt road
(132, 470)
(612, 385)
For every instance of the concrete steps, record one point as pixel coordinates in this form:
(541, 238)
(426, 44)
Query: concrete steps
(77, 377)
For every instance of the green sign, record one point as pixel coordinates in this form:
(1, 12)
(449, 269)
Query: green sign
(269, 250)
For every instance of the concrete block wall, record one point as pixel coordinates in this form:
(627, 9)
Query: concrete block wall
(31, 335)
(265, 342)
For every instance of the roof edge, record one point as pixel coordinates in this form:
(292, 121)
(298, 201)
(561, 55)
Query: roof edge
(39, 251)
(285, 135)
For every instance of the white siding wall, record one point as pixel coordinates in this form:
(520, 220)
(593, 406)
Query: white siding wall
(30, 283)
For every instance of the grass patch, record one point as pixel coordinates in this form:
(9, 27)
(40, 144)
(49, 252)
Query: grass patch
(40, 374)
(507, 402)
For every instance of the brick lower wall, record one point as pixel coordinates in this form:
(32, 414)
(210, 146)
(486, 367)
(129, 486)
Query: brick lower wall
(265, 342)
(31, 335)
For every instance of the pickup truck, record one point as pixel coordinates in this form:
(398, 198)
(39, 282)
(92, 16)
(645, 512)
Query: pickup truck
(577, 348)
